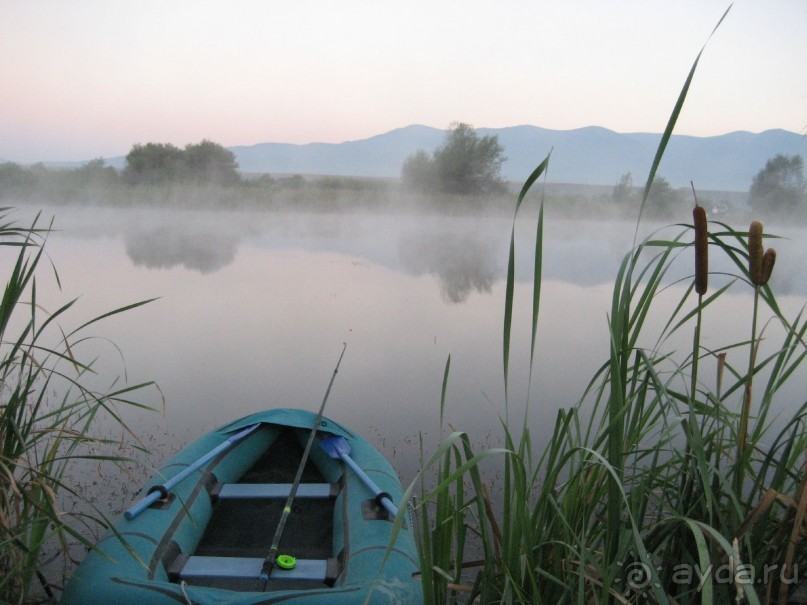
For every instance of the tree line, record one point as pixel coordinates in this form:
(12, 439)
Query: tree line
(467, 164)
(205, 163)
(153, 164)
(778, 189)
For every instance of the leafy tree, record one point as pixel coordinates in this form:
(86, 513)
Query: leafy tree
(468, 164)
(209, 162)
(624, 191)
(15, 180)
(418, 172)
(95, 172)
(465, 163)
(779, 186)
(662, 200)
(153, 163)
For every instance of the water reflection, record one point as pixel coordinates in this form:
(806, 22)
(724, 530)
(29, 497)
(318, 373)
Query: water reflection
(195, 248)
(254, 307)
(467, 255)
(463, 263)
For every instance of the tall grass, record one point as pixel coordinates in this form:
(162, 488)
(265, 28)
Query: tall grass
(47, 413)
(655, 486)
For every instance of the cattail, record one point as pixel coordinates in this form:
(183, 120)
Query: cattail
(755, 253)
(701, 250)
(768, 261)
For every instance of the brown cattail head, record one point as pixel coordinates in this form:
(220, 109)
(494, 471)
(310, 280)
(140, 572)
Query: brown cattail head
(755, 253)
(768, 261)
(701, 250)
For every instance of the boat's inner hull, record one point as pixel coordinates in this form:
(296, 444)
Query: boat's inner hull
(245, 527)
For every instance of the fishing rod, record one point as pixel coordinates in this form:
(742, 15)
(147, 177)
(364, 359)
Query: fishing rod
(271, 558)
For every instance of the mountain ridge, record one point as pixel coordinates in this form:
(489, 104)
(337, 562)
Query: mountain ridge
(590, 155)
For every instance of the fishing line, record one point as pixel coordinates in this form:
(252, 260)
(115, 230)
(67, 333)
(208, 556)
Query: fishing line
(271, 558)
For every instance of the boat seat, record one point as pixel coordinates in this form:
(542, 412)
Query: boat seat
(234, 491)
(192, 568)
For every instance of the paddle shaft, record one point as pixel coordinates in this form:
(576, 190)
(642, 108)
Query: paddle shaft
(383, 500)
(338, 447)
(160, 491)
(271, 558)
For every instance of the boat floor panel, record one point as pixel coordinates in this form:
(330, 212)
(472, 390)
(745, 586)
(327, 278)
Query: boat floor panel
(245, 527)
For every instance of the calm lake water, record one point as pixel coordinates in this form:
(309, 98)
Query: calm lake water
(253, 309)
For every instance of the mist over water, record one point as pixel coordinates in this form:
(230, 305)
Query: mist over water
(253, 307)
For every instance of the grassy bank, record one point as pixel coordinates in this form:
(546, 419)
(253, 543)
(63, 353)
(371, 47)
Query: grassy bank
(671, 480)
(321, 193)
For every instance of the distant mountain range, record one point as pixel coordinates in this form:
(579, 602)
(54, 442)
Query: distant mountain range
(593, 155)
(590, 156)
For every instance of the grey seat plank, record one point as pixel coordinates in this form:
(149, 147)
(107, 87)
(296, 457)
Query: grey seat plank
(275, 490)
(245, 568)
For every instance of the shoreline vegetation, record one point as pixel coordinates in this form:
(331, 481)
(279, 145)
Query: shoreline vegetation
(463, 175)
(667, 487)
(318, 193)
(52, 405)
(661, 484)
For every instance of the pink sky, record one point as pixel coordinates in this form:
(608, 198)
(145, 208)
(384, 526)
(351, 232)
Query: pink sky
(88, 79)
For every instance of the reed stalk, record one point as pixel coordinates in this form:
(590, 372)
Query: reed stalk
(638, 483)
(47, 418)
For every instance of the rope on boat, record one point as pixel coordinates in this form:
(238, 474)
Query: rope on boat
(185, 593)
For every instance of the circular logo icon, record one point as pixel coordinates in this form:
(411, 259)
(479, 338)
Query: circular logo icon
(638, 575)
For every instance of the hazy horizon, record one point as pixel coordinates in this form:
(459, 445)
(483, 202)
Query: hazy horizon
(90, 78)
(78, 161)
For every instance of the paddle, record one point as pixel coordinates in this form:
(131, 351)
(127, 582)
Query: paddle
(161, 491)
(338, 447)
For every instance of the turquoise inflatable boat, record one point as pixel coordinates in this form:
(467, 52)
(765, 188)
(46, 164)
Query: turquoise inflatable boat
(201, 531)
